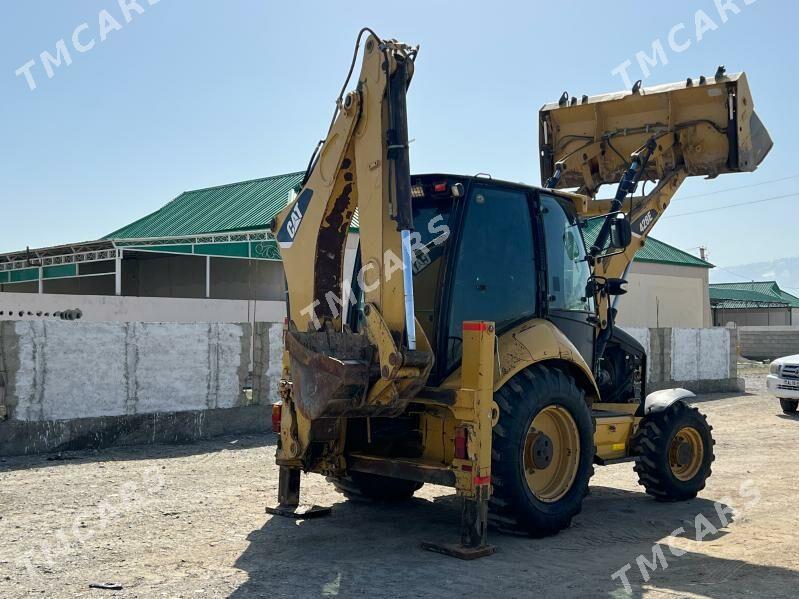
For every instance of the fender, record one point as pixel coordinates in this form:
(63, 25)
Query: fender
(535, 341)
(659, 401)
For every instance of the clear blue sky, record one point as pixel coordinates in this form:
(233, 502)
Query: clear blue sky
(198, 93)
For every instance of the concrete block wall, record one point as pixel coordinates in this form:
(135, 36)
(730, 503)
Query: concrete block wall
(768, 343)
(79, 384)
(701, 360)
(267, 362)
(63, 370)
(71, 385)
(701, 354)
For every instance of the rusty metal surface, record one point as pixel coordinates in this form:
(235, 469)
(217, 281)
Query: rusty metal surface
(324, 385)
(332, 239)
(405, 469)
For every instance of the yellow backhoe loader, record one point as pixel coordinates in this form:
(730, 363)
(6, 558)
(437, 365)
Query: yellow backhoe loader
(473, 342)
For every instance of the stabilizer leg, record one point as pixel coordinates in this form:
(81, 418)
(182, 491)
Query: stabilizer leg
(474, 526)
(288, 497)
(473, 472)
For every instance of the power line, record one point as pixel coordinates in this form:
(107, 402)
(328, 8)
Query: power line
(771, 199)
(748, 279)
(712, 193)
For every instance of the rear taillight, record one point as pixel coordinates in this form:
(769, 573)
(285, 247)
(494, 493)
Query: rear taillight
(460, 443)
(277, 411)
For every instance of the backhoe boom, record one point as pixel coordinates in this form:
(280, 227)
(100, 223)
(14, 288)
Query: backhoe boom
(363, 163)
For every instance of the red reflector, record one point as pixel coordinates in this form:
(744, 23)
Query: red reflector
(460, 443)
(482, 480)
(277, 411)
(440, 187)
(475, 326)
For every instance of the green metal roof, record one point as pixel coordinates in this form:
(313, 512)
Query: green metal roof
(653, 251)
(656, 251)
(251, 205)
(235, 207)
(743, 298)
(759, 292)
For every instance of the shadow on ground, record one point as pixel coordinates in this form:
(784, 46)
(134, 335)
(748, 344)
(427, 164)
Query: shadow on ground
(373, 551)
(138, 452)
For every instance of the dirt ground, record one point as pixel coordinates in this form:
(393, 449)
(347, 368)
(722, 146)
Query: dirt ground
(189, 521)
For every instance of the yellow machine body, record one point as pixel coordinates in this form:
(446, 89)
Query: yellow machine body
(336, 380)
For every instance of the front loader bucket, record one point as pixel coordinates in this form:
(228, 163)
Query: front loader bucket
(712, 123)
(330, 371)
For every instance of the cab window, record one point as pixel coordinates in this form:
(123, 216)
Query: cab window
(494, 275)
(567, 269)
(430, 239)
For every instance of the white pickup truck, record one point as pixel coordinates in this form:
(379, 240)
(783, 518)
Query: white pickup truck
(783, 381)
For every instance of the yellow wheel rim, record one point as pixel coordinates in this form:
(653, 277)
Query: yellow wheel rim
(551, 453)
(686, 452)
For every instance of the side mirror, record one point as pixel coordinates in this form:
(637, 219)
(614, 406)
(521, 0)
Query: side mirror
(608, 234)
(615, 286)
(621, 234)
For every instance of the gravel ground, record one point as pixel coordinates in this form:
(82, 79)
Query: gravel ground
(189, 521)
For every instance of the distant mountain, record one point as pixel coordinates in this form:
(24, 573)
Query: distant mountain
(783, 270)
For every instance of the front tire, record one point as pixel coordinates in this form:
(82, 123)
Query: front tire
(542, 453)
(675, 452)
(789, 405)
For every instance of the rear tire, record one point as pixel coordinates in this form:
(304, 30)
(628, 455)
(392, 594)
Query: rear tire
(789, 405)
(515, 506)
(675, 451)
(374, 487)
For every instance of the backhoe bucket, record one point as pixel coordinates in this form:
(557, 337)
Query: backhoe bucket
(330, 371)
(711, 123)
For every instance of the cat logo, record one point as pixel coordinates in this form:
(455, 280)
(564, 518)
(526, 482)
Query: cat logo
(644, 222)
(287, 233)
(294, 221)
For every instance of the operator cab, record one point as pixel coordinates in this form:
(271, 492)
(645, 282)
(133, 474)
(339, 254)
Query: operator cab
(493, 250)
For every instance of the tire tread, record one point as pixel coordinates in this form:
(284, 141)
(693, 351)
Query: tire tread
(508, 509)
(651, 447)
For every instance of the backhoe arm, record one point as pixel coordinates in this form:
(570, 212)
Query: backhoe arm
(363, 163)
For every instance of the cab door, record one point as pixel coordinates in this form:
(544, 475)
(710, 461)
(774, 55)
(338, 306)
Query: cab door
(493, 274)
(567, 273)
